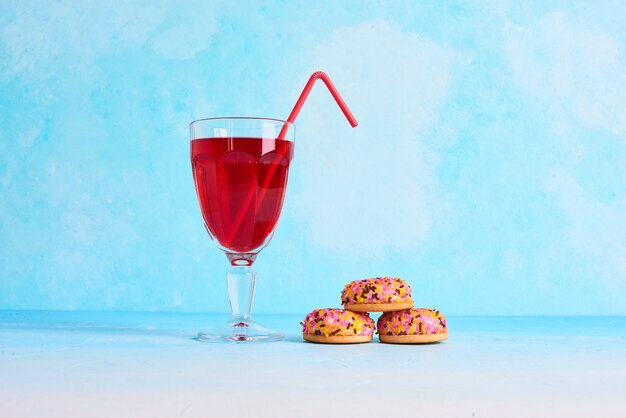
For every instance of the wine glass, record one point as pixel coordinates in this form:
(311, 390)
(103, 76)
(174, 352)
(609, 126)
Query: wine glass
(240, 167)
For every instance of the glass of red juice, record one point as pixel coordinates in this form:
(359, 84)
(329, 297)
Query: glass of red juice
(240, 167)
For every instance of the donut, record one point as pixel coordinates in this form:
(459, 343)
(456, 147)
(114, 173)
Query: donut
(412, 326)
(337, 326)
(380, 294)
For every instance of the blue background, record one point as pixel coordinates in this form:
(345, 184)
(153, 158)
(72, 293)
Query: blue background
(488, 168)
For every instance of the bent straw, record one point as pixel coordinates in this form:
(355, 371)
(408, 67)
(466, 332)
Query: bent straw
(292, 117)
(305, 93)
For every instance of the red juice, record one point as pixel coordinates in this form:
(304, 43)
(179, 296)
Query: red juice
(240, 184)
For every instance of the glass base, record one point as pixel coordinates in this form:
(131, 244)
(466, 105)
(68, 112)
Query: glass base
(239, 331)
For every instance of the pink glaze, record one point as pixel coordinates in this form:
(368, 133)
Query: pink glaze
(417, 321)
(337, 322)
(376, 290)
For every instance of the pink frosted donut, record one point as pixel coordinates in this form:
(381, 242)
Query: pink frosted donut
(337, 326)
(379, 294)
(417, 321)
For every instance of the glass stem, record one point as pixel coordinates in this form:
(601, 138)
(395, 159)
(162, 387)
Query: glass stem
(241, 284)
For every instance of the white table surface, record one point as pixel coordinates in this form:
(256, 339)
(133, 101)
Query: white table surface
(85, 364)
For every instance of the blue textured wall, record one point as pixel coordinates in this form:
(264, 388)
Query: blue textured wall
(488, 169)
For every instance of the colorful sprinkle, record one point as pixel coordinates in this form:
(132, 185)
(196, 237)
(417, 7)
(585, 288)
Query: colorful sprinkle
(417, 321)
(376, 290)
(329, 322)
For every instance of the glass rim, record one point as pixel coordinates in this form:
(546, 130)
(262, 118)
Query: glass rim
(242, 118)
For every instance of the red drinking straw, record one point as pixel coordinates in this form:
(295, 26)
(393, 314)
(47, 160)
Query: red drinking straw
(292, 117)
(305, 93)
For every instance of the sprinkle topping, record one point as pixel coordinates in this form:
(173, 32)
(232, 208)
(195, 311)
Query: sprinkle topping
(417, 321)
(330, 322)
(376, 290)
